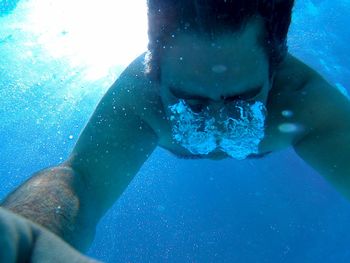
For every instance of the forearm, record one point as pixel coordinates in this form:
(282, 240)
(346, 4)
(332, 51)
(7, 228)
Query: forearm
(54, 198)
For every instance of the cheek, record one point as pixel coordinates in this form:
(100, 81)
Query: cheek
(167, 110)
(166, 99)
(263, 96)
(167, 103)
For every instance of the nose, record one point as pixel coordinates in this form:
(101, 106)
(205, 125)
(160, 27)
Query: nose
(214, 110)
(215, 107)
(222, 111)
(217, 110)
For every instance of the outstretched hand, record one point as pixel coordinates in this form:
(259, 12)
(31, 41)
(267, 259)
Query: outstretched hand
(24, 241)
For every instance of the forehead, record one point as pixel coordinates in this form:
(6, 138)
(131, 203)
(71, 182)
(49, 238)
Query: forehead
(228, 60)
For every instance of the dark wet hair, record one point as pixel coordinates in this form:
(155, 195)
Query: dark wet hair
(212, 17)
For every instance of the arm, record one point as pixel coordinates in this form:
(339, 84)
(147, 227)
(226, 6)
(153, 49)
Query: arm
(52, 198)
(71, 198)
(326, 147)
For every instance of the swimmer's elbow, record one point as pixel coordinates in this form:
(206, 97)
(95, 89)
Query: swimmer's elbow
(84, 192)
(87, 212)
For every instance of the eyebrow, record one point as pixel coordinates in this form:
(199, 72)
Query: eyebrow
(183, 94)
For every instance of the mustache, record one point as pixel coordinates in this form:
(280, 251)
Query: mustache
(239, 136)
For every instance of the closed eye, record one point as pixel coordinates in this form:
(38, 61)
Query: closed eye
(196, 105)
(249, 95)
(195, 100)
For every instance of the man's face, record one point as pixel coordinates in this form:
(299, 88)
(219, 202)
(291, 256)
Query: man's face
(215, 80)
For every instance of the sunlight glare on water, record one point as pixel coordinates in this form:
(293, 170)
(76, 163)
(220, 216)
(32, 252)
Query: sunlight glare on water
(97, 35)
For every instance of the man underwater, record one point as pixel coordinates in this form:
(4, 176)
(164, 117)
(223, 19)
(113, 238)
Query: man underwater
(217, 82)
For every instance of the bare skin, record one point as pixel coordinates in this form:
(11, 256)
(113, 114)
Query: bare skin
(296, 88)
(142, 107)
(304, 112)
(24, 241)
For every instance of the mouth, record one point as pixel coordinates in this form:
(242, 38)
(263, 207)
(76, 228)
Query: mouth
(209, 138)
(217, 155)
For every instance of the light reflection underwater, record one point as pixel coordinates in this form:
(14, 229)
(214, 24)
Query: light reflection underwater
(237, 130)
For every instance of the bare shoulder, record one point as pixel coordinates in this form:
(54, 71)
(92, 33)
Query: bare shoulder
(135, 90)
(316, 104)
(116, 141)
(292, 74)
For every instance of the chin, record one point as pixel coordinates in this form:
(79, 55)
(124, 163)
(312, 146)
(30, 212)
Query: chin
(217, 155)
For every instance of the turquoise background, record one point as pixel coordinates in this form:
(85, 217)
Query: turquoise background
(272, 210)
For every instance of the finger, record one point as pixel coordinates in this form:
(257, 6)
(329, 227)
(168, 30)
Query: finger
(7, 246)
(51, 248)
(15, 237)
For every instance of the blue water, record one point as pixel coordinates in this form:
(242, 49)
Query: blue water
(272, 210)
(7, 6)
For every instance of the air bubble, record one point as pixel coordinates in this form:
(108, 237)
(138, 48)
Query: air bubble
(289, 127)
(287, 113)
(219, 68)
